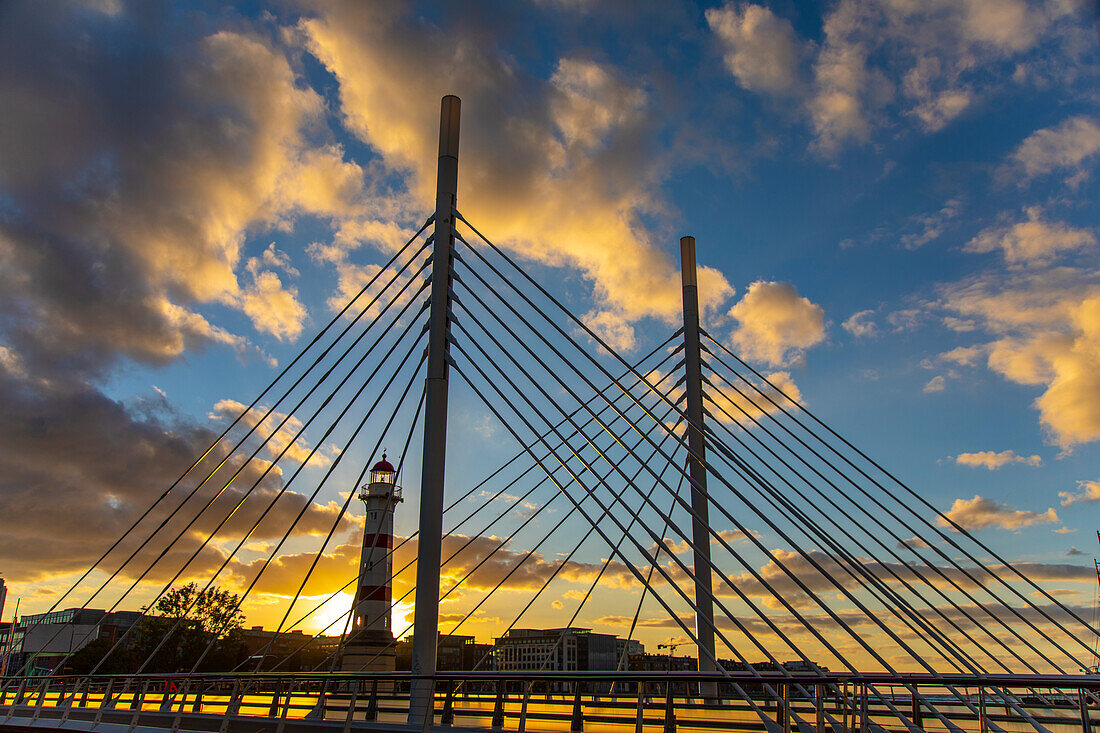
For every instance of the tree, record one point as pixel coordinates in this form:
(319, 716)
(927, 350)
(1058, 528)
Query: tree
(187, 622)
(91, 656)
(213, 611)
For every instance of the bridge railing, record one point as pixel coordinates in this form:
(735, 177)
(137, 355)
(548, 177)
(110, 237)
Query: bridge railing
(575, 701)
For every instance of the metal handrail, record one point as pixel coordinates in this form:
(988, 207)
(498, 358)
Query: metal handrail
(860, 702)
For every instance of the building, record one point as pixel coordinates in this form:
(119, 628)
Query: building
(6, 629)
(41, 642)
(454, 653)
(625, 649)
(287, 651)
(370, 643)
(555, 650)
(661, 663)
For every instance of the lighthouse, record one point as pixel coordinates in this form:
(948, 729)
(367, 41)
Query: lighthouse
(369, 646)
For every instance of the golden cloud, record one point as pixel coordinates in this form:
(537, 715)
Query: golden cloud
(550, 172)
(992, 460)
(982, 513)
(775, 324)
(1087, 491)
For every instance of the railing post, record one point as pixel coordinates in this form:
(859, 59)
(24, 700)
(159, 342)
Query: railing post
(273, 711)
(1083, 704)
(318, 711)
(372, 703)
(918, 709)
(71, 702)
(787, 717)
(523, 708)
(498, 707)
(781, 716)
(576, 721)
(982, 722)
(426, 608)
(136, 703)
(284, 709)
(639, 718)
(819, 708)
(448, 716)
(40, 698)
(864, 723)
(197, 706)
(16, 697)
(104, 702)
(842, 704)
(178, 718)
(700, 503)
(352, 700)
(232, 706)
(670, 710)
(19, 692)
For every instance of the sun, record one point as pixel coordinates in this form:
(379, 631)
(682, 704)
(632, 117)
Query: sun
(330, 617)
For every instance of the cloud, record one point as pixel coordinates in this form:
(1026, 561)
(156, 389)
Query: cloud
(992, 461)
(982, 513)
(279, 430)
(548, 167)
(1042, 317)
(133, 176)
(273, 308)
(775, 324)
(913, 543)
(1087, 492)
(744, 404)
(104, 465)
(760, 49)
(931, 226)
(841, 82)
(861, 324)
(1033, 241)
(209, 141)
(906, 319)
(1066, 146)
(935, 384)
(964, 355)
(932, 61)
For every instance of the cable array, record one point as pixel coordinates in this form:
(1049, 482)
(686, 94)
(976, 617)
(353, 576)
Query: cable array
(818, 556)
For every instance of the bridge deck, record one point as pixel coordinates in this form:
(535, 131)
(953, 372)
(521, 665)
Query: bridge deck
(288, 704)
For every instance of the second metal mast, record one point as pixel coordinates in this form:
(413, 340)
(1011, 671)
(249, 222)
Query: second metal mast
(700, 503)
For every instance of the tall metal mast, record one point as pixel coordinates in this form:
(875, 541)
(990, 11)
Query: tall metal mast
(426, 623)
(700, 504)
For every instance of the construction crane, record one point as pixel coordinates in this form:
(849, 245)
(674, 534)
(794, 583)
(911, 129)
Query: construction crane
(671, 646)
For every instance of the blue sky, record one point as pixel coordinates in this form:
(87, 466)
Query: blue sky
(894, 204)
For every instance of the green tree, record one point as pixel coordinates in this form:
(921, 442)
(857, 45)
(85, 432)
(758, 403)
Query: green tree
(188, 620)
(212, 611)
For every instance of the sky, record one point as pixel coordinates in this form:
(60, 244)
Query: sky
(894, 204)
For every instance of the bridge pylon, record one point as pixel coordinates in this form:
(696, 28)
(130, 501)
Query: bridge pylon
(697, 468)
(426, 610)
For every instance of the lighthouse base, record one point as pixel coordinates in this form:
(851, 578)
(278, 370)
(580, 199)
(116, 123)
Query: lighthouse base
(369, 650)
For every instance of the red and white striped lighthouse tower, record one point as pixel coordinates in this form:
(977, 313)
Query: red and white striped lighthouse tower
(369, 646)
